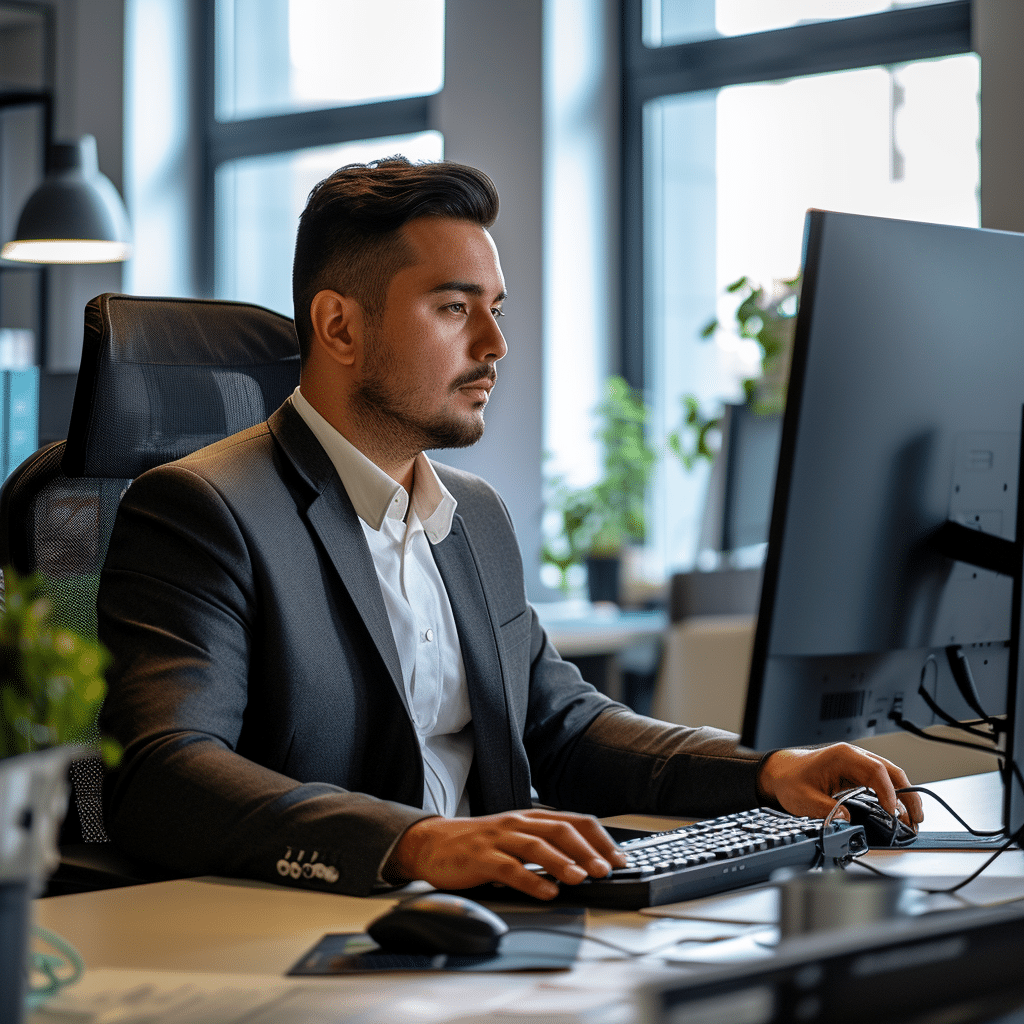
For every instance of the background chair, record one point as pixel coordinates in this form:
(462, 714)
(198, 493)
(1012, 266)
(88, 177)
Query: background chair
(159, 379)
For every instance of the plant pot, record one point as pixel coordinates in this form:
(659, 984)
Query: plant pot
(603, 577)
(14, 915)
(33, 802)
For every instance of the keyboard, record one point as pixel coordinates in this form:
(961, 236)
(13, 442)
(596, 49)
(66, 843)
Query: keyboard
(715, 856)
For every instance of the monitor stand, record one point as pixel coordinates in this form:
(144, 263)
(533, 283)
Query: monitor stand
(986, 551)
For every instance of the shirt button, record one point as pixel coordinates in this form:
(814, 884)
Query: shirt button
(428, 636)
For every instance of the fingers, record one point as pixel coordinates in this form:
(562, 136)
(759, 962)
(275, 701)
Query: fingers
(803, 781)
(463, 852)
(887, 779)
(580, 836)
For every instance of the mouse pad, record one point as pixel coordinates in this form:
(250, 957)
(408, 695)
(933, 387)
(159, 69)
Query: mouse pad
(521, 949)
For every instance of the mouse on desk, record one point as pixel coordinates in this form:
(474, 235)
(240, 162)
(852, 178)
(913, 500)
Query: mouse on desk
(883, 830)
(438, 922)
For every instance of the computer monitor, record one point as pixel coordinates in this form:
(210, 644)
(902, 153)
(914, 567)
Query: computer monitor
(897, 482)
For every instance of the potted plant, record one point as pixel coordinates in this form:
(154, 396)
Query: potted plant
(51, 688)
(769, 320)
(595, 523)
(741, 439)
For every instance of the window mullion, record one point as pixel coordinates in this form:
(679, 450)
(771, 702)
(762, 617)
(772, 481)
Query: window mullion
(891, 37)
(281, 133)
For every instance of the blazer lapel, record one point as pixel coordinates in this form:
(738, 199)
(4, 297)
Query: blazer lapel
(334, 520)
(503, 773)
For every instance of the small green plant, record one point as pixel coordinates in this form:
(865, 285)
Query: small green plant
(600, 519)
(51, 678)
(769, 319)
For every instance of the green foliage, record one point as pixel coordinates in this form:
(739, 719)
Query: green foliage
(599, 519)
(690, 441)
(51, 678)
(769, 320)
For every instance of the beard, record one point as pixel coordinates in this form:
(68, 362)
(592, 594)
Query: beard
(398, 425)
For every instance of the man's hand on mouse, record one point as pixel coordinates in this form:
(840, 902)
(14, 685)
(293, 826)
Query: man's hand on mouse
(802, 781)
(457, 853)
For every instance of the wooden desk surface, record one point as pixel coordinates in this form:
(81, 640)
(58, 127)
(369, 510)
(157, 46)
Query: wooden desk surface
(215, 925)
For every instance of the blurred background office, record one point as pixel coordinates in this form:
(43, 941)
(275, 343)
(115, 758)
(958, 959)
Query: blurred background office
(647, 152)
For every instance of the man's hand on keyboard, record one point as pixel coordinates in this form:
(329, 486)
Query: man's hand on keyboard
(457, 853)
(803, 781)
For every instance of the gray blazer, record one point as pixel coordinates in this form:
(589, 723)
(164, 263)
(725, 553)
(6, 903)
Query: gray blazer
(255, 685)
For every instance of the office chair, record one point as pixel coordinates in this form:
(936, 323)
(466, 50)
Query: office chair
(159, 379)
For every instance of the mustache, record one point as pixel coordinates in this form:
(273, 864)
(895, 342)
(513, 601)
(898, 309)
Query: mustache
(484, 372)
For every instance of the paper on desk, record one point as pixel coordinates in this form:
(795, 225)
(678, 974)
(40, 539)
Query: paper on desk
(750, 906)
(758, 944)
(125, 996)
(108, 996)
(659, 934)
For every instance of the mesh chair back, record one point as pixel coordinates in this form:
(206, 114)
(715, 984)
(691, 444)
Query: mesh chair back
(159, 378)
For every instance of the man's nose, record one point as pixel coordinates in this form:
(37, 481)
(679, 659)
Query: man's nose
(489, 344)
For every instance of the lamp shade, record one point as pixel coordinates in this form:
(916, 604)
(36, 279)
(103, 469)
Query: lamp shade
(75, 215)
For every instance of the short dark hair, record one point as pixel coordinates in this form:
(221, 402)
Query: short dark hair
(348, 238)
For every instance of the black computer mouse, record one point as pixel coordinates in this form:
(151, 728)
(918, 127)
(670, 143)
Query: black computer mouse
(882, 829)
(438, 922)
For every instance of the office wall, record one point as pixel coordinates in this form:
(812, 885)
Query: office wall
(491, 114)
(531, 96)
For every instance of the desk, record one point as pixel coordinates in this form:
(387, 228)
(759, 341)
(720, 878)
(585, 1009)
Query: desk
(220, 926)
(604, 641)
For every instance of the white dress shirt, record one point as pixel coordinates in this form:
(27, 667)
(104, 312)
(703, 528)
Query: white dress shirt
(399, 533)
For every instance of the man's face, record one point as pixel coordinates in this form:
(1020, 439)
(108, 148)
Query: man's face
(428, 364)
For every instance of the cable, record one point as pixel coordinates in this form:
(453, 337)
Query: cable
(845, 795)
(49, 965)
(896, 717)
(935, 796)
(959, 885)
(964, 679)
(967, 727)
(633, 954)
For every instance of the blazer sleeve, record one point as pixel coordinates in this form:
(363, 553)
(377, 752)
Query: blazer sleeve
(591, 754)
(178, 610)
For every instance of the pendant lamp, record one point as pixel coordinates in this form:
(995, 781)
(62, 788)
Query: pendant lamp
(75, 215)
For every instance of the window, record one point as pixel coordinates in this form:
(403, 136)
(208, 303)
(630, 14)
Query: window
(297, 89)
(732, 135)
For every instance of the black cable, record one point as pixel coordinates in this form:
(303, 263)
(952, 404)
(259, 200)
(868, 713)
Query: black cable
(959, 885)
(935, 796)
(964, 679)
(604, 942)
(936, 709)
(1015, 838)
(896, 717)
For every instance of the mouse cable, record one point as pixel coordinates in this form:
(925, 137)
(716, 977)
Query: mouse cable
(959, 885)
(840, 798)
(935, 796)
(1015, 838)
(631, 953)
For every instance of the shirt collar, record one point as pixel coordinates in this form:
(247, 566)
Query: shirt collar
(374, 495)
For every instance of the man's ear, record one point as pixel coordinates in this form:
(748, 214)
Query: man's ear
(338, 323)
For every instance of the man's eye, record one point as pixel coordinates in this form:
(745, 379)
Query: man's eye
(497, 312)
(456, 307)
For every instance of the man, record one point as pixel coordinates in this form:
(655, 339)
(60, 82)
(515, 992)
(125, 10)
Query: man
(324, 661)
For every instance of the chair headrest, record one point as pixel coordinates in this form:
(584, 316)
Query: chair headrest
(161, 378)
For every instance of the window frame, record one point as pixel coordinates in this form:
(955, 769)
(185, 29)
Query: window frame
(223, 141)
(895, 36)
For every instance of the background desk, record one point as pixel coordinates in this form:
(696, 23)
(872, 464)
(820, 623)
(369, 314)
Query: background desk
(617, 651)
(212, 925)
